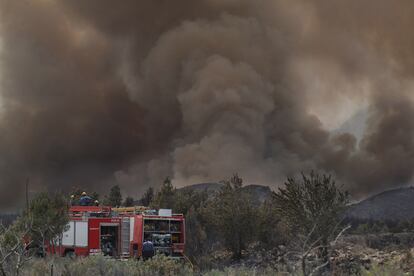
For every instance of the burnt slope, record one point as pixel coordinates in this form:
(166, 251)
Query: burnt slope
(397, 204)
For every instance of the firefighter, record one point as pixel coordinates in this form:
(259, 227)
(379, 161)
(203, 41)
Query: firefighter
(96, 203)
(108, 249)
(72, 200)
(147, 250)
(85, 200)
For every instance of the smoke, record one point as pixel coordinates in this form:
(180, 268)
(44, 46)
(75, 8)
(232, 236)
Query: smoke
(94, 94)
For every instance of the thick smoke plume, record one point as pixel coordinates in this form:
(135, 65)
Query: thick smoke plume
(94, 93)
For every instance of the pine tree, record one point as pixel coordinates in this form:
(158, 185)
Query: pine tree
(48, 217)
(234, 216)
(311, 209)
(129, 201)
(148, 197)
(114, 198)
(165, 197)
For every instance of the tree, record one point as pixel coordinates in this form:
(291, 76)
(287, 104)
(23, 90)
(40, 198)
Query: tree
(270, 230)
(114, 198)
(234, 216)
(312, 208)
(165, 197)
(95, 196)
(187, 199)
(148, 196)
(14, 247)
(306, 246)
(129, 201)
(192, 203)
(197, 243)
(48, 218)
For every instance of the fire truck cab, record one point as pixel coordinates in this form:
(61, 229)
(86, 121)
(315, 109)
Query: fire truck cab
(120, 232)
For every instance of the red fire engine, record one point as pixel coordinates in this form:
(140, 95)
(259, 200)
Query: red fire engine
(92, 229)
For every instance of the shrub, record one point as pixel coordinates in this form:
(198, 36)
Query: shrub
(383, 270)
(234, 216)
(102, 266)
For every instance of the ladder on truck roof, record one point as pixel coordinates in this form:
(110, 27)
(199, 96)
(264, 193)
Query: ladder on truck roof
(89, 211)
(133, 210)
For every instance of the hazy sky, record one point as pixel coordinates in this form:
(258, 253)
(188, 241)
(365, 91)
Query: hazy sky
(94, 93)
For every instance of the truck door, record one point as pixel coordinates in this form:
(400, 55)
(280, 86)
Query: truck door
(109, 239)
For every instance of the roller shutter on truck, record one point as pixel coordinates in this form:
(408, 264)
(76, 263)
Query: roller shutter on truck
(76, 235)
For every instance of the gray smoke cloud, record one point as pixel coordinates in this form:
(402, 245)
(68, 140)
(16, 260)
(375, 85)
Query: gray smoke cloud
(94, 93)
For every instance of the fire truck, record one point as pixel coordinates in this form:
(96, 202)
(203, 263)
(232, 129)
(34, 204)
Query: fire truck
(91, 229)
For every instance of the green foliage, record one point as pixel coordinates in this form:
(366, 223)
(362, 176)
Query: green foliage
(114, 198)
(162, 266)
(270, 230)
(99, 265)
(129, 201)
(95, 196)
(184, 200)
(197, 243)
(148, 196)
(192, 205)
(384, 270)
(246, 271)
(312, 211)
(157, 266)
(234, 216)
(13, 252)
(166, 196)
(44, 220)
(363, 228)
(313, 205)
(404, 226)
(47, 216)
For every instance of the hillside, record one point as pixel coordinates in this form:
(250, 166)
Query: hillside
(201, 187)
(7, 219)
(395, 204)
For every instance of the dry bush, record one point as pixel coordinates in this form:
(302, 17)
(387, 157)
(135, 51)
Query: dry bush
(101, 266)
(384, 270)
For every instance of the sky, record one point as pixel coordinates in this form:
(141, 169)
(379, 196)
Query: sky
(94, 94)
